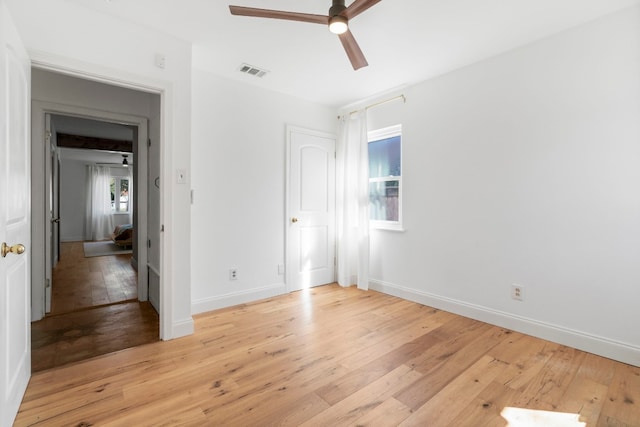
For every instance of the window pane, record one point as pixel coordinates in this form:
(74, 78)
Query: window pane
(384, 157)
(383, 198)
(112, 188)
(124, 195)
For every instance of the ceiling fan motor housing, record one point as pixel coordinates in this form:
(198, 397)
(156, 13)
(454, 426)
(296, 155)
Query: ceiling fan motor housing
(338, 20)
(337, 8)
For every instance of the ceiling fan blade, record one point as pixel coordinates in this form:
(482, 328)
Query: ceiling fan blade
(278, 14)
(358, 6)
(353, 50)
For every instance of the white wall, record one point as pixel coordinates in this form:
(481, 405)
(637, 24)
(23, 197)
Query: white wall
(526, 169)
(121, 52)
(238, 161)
(73, 199)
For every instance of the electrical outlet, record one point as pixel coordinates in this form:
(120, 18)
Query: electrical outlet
(233, 274)
(517, 292)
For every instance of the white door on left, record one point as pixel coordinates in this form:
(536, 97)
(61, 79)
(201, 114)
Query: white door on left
(15, 220)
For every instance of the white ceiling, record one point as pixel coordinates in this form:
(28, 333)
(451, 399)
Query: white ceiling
(405, 41)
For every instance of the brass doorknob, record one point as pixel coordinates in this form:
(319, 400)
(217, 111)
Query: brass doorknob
(294, 219)
(14, 249)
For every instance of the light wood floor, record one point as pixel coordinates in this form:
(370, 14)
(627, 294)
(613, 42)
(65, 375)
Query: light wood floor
(338, 357)
(95, 310)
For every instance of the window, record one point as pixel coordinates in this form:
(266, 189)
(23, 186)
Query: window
(119, 187)
(385, 178)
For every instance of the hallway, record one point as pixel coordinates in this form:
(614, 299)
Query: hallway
(94, 310)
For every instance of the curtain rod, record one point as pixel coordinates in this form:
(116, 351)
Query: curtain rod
(376, 104)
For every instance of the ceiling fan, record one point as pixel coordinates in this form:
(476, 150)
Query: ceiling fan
(337, 20)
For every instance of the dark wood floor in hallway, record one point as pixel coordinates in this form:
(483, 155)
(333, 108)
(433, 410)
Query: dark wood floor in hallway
(95, 310)
(80, 282)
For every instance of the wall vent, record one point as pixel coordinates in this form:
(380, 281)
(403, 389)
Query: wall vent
(251, 70)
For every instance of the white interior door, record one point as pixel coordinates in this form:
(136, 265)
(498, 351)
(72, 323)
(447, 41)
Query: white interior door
(310, 208)
(15, 220)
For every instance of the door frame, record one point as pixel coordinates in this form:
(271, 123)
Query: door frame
(39, 185)
(290, 286)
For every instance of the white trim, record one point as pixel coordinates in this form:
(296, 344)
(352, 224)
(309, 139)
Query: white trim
(288, 255)
(71, 67)
(154, 275)
(213, 303)
(377, 135)
(68, 239)
(181, 328)
(623, 352)
(386, 225)
(169, 328)
(39, 110)
(385, 133)
(154, 269)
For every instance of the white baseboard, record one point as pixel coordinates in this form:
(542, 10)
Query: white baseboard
(182, 328)
(66, 239)
(235, 298)
(601, 346)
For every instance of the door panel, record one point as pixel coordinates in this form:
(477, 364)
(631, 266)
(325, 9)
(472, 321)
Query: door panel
(15, 223)
(314, 248)
(310, 208)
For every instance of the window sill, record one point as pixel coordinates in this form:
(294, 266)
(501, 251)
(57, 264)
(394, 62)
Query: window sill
(374, 225)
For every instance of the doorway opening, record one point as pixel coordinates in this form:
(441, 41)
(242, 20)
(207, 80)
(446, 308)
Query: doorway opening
(95, 208)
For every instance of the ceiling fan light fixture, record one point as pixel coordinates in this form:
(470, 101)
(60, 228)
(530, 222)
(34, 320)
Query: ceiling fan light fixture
(338, 24)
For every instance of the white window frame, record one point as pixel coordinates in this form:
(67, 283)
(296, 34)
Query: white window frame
(118, 180)
(377, 135)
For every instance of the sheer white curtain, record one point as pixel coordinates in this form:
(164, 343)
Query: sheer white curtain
(352, 177)
(98, 217)
(131, 195)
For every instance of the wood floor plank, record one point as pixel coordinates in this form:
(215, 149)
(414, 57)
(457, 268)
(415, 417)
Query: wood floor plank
(445, 406)
(293, 360)
(360, 377)
(584, 397)
(623, 400)
(61, 339)
(388, 413)
(389, 337)
(175, 410)
(450, 367)
(294, 412)
(487, 407)
(546, 389)
(94, 310)
(526, 357)
(452, 341)
(365, 399)
(597, 368)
